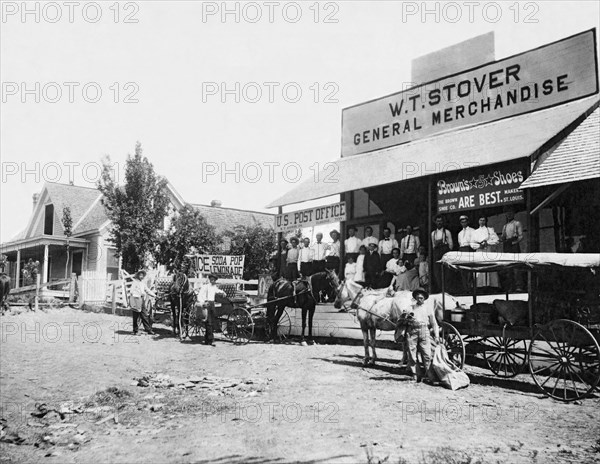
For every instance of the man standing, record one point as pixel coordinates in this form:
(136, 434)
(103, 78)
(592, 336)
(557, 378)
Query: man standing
(441, 242)
(417, 334)
(333, 258)
(386, 245)
(409, 246)
(352, 244)
(465, 239)
(369, 237)
(512, 235)
(206, 297)
(292, 259)
(137, 302)
(281, 259)
(319, 248)
(305, 259)
(372, 266)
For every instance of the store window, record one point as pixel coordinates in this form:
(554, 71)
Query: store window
(363, 206)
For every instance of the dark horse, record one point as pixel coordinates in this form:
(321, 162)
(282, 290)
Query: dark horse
(4, 291)
(298, 294)
(181, 295)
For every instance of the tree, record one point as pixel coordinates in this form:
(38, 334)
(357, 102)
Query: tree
(67, 222)
(256, 243)
(136, 209)
(189, 232)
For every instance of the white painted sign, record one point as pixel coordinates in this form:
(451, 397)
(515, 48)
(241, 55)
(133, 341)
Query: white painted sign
(220, 265)
(547, 76)
(310, 217)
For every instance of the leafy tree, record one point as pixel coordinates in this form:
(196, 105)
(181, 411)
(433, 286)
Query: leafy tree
(136, 209)
(189, 232)
(67, 222)
(256, 243)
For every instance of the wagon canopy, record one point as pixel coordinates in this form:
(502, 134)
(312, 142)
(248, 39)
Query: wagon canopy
(489, 262)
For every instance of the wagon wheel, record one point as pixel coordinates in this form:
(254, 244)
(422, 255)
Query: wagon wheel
(454, 343)
(184, 324)
(283, 329)
(505, 356)
(196, 324)
(240, 327)
(563, 360)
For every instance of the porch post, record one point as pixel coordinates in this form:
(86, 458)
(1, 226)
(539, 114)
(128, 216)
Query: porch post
(45, 271)
(18, 274)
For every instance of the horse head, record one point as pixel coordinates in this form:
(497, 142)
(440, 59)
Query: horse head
(346, 290)
(180, 284)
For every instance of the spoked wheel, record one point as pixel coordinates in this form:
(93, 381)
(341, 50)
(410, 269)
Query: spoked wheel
(283, 329)
(196, 327)
(240, 327)
(505, 356)
(453, 342)
(563, 360)
(184, 324)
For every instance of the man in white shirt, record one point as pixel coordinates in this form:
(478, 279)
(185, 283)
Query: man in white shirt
(305, 259)
(319, 249)
(441, 243)
(386, 245)
(409, 246)
(512, 235)
(206, 297)
(352, 244)
(369, 237)
(333, 257)
(465, 239)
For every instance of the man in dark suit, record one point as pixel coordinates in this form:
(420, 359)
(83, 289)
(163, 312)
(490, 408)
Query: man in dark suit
(372, 266)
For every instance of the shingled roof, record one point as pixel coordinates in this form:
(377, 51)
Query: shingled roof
(228, 218)
(87, 211)
(577, 157)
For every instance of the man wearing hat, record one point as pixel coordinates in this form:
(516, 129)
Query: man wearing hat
(465, 239)
(292, 272)
(372, 266)
(137, 303)
(512, 235)
(417, 334)
(333, 258)
(206, 298)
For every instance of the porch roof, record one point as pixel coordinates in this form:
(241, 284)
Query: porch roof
(35, 242)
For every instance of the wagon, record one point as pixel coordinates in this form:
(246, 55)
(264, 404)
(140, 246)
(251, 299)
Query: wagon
(557, 337)
(238, 320)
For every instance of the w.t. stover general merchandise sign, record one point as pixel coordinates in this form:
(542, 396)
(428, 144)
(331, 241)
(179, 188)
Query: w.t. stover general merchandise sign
(547, 76)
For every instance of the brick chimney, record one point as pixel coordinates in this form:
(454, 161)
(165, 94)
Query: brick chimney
(36, 197)
(216, 203)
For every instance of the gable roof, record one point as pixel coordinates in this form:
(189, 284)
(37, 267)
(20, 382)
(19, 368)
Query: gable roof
(228, 218)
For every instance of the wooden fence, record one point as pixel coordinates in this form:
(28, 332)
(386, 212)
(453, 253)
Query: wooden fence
(93, 287)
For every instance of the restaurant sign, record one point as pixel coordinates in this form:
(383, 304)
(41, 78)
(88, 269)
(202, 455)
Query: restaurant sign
(220, 265)
(547, 76)
(310, 217)
(485, 188)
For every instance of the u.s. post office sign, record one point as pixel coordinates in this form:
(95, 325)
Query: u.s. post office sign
(486, 187)
(547, 76)
(310, 217)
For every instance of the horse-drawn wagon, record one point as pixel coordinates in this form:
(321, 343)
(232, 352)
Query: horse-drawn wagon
(236, 318)
(555, 332)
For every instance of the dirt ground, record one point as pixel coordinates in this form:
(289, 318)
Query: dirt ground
(257, 403)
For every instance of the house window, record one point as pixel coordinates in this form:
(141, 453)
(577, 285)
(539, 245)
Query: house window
(49, 220)
(112, 263)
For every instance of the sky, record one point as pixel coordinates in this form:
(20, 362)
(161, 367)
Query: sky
(235, 101)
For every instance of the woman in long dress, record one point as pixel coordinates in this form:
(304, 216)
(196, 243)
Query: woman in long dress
(485, 240)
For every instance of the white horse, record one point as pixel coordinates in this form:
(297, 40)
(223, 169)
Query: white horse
(376, 311)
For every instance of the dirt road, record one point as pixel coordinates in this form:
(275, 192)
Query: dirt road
(257, 403)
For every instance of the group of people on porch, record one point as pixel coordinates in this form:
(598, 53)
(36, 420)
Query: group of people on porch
(403, 264)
